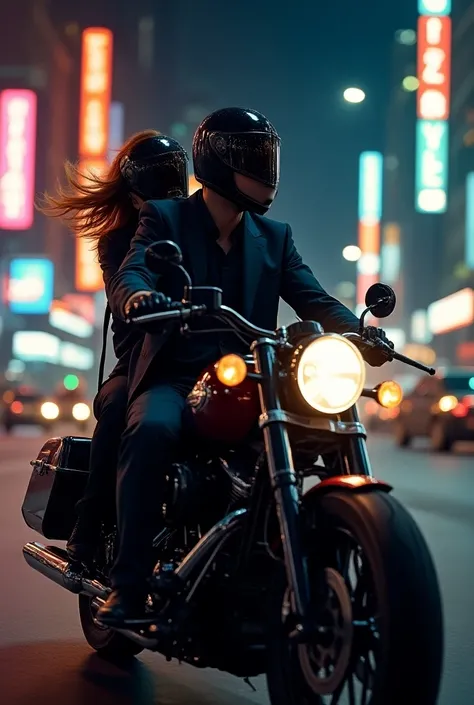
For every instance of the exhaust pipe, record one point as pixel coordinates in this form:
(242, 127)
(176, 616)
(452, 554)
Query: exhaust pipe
(53, 563)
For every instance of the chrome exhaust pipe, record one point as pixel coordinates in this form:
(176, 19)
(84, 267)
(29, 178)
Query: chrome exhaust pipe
(53, 563)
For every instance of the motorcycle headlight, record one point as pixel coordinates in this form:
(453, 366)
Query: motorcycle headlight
(81, 411)
(330, 374)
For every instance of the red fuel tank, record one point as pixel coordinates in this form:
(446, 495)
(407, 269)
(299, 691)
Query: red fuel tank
(221, 413)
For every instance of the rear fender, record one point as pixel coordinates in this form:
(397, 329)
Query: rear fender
(348, 483)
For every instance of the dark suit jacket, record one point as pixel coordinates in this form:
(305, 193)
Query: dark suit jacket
(112, 249)
(272, 268)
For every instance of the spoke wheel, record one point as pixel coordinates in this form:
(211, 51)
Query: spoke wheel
(379, 634)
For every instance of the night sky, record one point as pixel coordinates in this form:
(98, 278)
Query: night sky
(292, 61)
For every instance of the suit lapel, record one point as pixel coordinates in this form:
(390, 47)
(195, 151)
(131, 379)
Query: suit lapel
(254, 251)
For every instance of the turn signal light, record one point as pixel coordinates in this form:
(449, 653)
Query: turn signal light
(231, 370)
(389, 394)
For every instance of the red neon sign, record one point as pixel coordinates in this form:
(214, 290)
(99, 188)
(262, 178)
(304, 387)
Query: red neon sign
(96, 86)
(434, 67)
(17, 158)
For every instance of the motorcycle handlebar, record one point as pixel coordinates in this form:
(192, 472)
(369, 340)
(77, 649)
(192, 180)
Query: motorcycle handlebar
(392, 354)
(241, 324)
(224, 313)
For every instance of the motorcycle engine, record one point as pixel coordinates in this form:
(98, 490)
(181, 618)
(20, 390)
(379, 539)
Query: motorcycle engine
(203, 490)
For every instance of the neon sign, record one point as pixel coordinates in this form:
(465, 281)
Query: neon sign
(94, 133)
(434, 7)
(433, 106)
(434, 67)
(30, 286)
(17, 158)
(370, 214)
(452, 312)
(96, 85)
(432, 151)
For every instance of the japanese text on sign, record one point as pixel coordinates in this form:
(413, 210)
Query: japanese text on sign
(434, 67)
(432, 166)
(17, 160)
(96, 81)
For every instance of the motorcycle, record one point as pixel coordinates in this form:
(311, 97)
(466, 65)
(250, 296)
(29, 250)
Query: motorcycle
(328, 590)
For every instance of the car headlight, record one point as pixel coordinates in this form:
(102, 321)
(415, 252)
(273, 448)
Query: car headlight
(49, 410)
(81, 411)
(330, 374)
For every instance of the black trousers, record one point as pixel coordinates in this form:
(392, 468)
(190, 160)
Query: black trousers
(153, 429)
(110, 408)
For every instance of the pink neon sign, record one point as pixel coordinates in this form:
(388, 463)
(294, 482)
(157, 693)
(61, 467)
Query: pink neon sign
(17, 158)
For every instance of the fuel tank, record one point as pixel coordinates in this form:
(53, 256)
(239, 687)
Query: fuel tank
(220, 413)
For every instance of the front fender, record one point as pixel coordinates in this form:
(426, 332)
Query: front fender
(350, 483)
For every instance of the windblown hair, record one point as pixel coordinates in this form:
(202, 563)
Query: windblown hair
(90, 204)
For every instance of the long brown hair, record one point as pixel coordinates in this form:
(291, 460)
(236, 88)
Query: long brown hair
(90, 204)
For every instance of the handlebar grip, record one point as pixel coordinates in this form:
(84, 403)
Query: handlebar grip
(413, 363)
(177, 313)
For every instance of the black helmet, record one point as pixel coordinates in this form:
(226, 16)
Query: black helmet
(237, 141)
(156, 168)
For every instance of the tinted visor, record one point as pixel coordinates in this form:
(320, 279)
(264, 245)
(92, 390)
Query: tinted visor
(252, 154)
(162, 177)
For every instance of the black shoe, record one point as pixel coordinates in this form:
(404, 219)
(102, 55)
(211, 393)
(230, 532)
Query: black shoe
(83, 542)
(124, 608)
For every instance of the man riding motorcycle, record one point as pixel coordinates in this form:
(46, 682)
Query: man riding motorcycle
(225, 243)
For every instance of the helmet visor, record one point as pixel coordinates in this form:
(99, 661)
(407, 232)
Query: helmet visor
(252, 154)
(162, 177)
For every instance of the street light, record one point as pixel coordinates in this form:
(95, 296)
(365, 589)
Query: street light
(354, 95)
(352, 253)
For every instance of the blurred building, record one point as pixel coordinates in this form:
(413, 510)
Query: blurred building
(408, 238)
(455, 339)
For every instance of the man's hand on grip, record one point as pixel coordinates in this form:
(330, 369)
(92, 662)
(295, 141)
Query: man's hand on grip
(377, 355)
(145, 302)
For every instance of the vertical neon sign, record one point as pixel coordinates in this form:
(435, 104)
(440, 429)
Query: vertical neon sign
(94, 127)
(469, 234)
(370, 215)
(17, 158)
(433, 106)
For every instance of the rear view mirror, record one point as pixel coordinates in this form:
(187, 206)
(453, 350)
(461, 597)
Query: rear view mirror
(161, 255)
(164, 258)
(380, 299)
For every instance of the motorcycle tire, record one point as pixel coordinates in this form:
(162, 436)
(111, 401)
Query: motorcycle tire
(108, 643)
(408, 609)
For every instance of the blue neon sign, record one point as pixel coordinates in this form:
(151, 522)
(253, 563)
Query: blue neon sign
(469, 234)
(431, 179)
(30, 285)
(440, 8)
(370, 186)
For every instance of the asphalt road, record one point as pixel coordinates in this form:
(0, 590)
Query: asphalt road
(44, 659)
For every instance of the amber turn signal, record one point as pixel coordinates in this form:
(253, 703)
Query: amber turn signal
(389, 394)
(231, 370)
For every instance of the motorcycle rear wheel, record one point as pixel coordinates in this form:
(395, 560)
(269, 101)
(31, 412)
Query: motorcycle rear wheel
(395, 621)
(107, 642)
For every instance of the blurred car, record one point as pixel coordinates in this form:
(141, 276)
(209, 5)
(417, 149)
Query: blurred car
(23, 407)
(29, 408)
(73, 409)
(379, 418)
(441, 408)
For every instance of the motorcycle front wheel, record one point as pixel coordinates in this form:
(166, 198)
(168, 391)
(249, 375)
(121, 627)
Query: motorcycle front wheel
(380, 640)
